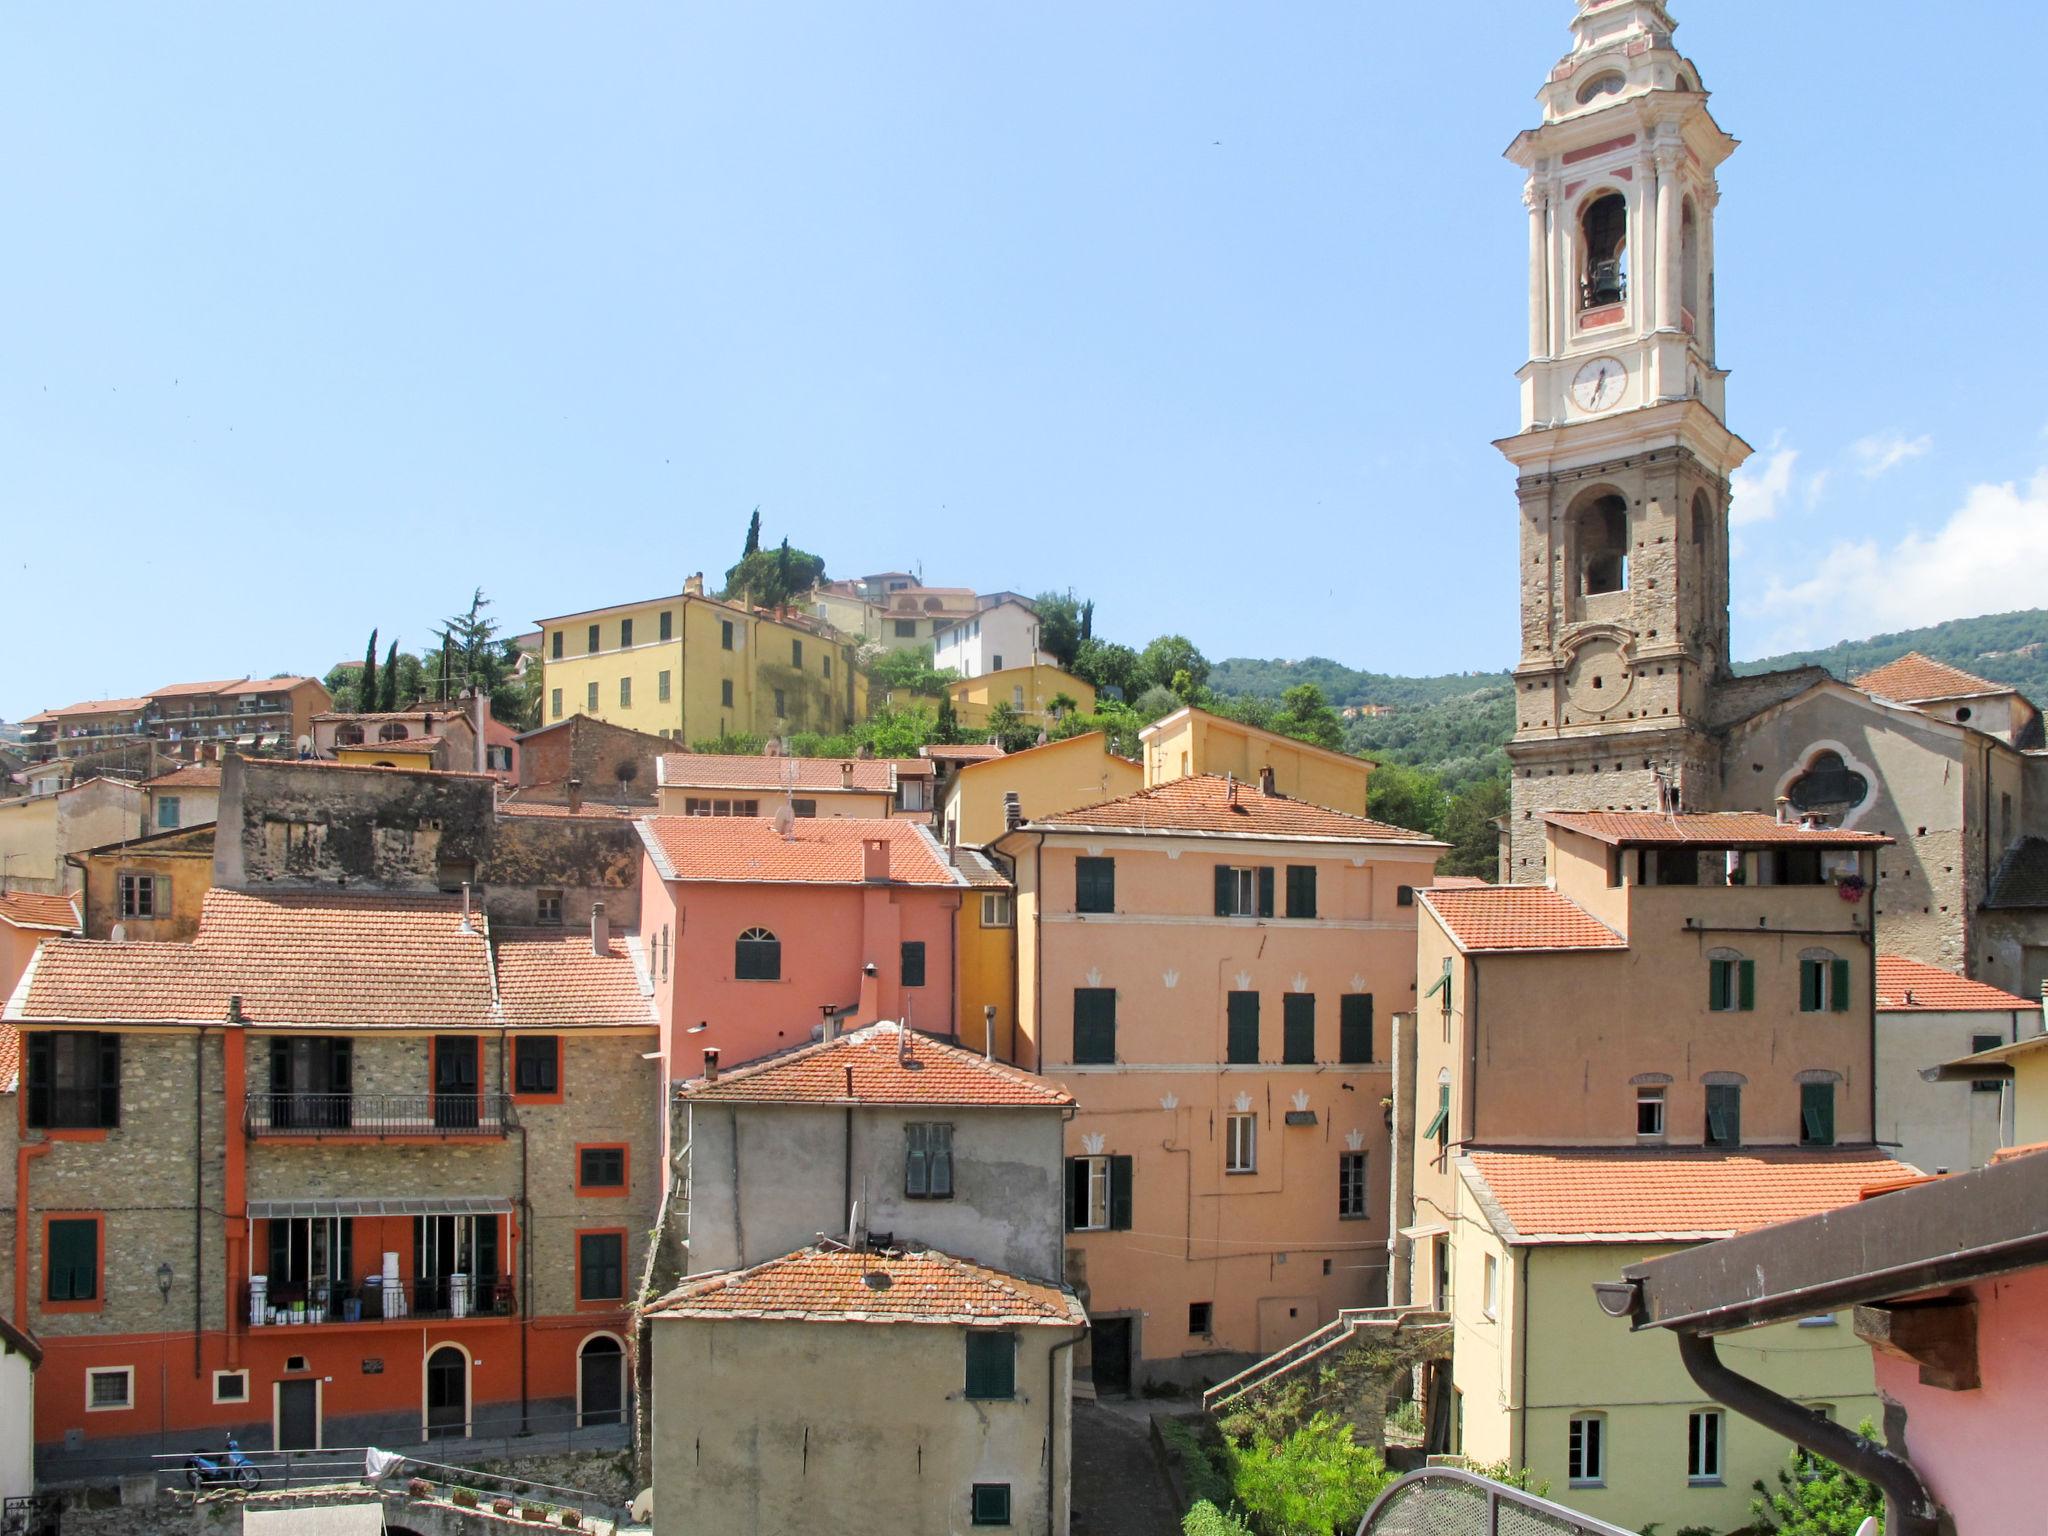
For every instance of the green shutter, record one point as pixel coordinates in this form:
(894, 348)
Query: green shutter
(1241, 1045)
(1301, 890)
(1354, 1028)
(1839, 1001)
(39, 1078)
(1226, 888)
(1747, 970)
(1817, 1114)
(110, 1080)
(916, 1163)
(1120, 1194)
(991, 1365)
(1094, 1025)
(1265, 890)
(1809, 986)
(73, 1261)
(1298, 1028)
(1717, 985)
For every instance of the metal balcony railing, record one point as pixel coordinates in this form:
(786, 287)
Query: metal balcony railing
(1445, 1501)
(377, 1114)
(335, 1301)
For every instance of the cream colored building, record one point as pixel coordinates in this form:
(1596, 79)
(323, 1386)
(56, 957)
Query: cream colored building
(897, 1390)
(184, 797)
(711, 784)
(1032, 692)
(37, 834)
(1925, 1017)
(1192, 741)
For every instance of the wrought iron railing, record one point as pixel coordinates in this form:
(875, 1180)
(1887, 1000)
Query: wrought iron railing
(341, 1302)
(1447, 1501)
(377, 1114)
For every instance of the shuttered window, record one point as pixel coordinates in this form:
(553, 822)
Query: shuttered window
(1298, 1028)
(601, 1270)
(990, 1504)
(536, 1063)
(1241, 1043)
(928, 1160)
(1724, 1115)
(74, 1080)
(1354, 1028)
(991, 1365)
(1095, 1025)
(1099, 1194)
(913, 963)
(1095, 885)
(73, 1260)
(1244, 891)
(1301, 890)
(1817, 1114)
(1731, 985)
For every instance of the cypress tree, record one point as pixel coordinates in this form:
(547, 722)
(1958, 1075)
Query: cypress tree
(389, 697)
(753, 535)
(366, 686)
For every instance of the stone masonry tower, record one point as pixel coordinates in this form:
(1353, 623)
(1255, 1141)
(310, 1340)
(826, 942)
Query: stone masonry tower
(1623, 456)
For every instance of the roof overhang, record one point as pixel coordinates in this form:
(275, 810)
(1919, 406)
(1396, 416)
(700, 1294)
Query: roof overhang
(397, 1205)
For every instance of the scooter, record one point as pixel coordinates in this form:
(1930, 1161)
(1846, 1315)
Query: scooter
(232, 1468)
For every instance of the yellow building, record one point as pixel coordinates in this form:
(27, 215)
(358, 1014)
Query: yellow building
(690, 668)
(987, 941)
(1192, 741)
(153, 887)
(1029, 691)
(2020, 1071)
(1059, 776)
(415, 752)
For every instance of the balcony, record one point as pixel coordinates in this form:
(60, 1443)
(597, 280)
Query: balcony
(377, 1114)
(328, 1302)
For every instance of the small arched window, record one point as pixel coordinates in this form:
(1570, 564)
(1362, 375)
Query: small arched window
(348, 736)
(1600, 527)
(392, 730)
(1603, 233)
(757, 956)
(1828, 785)
(1702, 514)
(1609, 84)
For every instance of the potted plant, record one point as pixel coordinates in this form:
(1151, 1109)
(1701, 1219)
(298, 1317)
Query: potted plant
(538, 1513)
(572, 1519)
(464, 1498)
(419, 1488)
(501, 1506)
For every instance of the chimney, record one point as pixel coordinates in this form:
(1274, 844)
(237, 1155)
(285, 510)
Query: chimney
(870, 1005)
(874, 860)
(1013, 810)
(235, 1008)
(575, 794)
(1784, 810)
(1266, 781)
(427, 723)
(600, 931)
(846, 774)
(710, 1063)
(903, 1042)
(1230, 789)
(693, 584)
(988, 1032)
(466, 928)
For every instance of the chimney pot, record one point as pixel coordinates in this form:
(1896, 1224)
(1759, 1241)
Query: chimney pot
(575, 794)
(235, 1008)
(1266, 780)
(1013, 810)
(710, 1063)
(988, 1032)
(1784, 810)
(600, 930)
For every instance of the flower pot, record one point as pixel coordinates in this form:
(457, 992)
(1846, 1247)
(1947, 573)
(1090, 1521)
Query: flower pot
(572, 1519)
(501, 1506)
(464, 1498)
(534, 1512)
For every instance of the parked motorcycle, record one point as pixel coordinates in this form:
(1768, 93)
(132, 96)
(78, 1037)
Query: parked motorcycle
(229, 1469)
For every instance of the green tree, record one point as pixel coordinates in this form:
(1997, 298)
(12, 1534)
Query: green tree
(771, 578)
(473, 657)
(1205, 1519)
(1172, 661)
(1110, 668)
(1306, 715)
(1062, 704)
(1468, 827)
(387, 688)
(1156, 703)
(1814, 1497)
(366, 684)
(946, 729)
(753, 544)
(1315, 1481)
(1059, 626)
(909, 670)
(1010, 728)
(1407, 797)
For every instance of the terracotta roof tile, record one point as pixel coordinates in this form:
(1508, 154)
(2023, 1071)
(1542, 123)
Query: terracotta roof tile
(1516, 917)
(831, 1285)
(89, 707)
(707, 770)
(33, 909)
(1459, 883)
(191, 776)
(1912, 986)
(1628, 1195)
(198, 690)
(818, 851)
(10, 1058)
(1209, 802)
(1713, 829)
(976, 868)
(865, 1066)
(1914, 677)
(335, 763)
(549, 978)
(962, 752)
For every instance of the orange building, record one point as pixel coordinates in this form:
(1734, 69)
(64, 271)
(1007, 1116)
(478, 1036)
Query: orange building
(26, 919)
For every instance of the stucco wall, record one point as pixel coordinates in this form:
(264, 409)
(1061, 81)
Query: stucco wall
(189, 870)
(17, 1425)
(1060, 776)
(1939, 1127)
(1196, 742)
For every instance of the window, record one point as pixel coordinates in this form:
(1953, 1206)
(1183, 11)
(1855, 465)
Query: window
(601, 1169)
(781, 705)
(796, 654)
(625, 693)
(996, 662)
(913, 962)
(1731, 984)
(167, 813)
(1017, 696)
(990, 1504)
(661, 687)
(625, 632)
(1724, 1114)
(1095, 885)
(1829, 785)
(1298, 1029)
(1823, 984)
(995, 909)
(828, 663)
(600, 1266)
(725, 634)
(1985, 1043)
(590, 698)
(1404, 895)
(1241, 1029)
(1609, 84)
(1439, 1127)
(1585, 1459)
(1703, 1447)
(555, 644)
(231, 1386)
(71, 1259)
(1241, 1144)
(928, 1161)
(1201, 1318)
(991, 1365)
(1301, 890)
(757, 956)
(555, 700)
(145, 895)
(1354, 1028)
(1817, 1114)
(1603, 228)
(1099, 1194)
(111, 1386)
(1244, 892)
(1351, 1204)
(592, 646)
(693, 806)
(725, 693)
(1601, 529)
(906, 629)
(1094, 1025)
(74, 1080)
(805, 808)
(1650, 1112)
(537, 1064)
(547, 907)
(666, 625)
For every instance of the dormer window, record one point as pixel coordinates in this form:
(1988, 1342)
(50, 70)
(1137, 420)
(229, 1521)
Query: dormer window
(1609, 84)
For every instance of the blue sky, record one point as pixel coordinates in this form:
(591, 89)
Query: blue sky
(315, 318)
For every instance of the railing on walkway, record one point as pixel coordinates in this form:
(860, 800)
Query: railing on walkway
(377, 1114)
(1447, 1501)
(432, 1300)
(1313, 1347)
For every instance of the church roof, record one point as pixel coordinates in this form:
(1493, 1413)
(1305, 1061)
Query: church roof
(2022, 876)
(1914, 677)
(1710, 829)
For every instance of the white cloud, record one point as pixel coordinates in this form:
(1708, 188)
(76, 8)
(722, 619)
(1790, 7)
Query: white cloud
(1817, 487)
(1883, 454)
(1754, 495)
(1987, 558)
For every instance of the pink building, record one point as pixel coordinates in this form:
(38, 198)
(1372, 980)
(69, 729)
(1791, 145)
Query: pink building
(755, 935)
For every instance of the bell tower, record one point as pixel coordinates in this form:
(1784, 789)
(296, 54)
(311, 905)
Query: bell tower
(1623, 457)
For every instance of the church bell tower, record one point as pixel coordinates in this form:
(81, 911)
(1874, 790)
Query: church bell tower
(1623, 457)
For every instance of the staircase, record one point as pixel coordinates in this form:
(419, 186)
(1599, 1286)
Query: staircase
(1313, 1350)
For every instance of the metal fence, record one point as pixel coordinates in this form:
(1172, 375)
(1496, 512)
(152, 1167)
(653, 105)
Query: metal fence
(1444, 1501)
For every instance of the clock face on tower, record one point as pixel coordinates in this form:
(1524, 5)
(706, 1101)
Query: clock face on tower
(1598, 678)
(1599, 385)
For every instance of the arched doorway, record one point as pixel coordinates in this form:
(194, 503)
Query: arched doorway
(600, 1382)
(447, 1393)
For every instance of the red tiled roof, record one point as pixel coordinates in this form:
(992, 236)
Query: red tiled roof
(866, 1067)
(89, 707)
(1459, 883)
(1912, 986)
(840, 1286)
(191, 776)
(197, 690)
(363, 716)
(1628, 1195)
(1713, 829)
(293, 957)
(549, 978)
(10, 1058)
(513, 806)
(709, 770)
(1516, 917)
(33, 909)
(1914, 677)
(962, 752)
(328, 762)
(403, 744)
(1208, 802)
(817, 851)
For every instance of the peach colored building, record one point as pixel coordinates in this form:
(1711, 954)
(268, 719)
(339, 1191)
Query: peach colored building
(754, 935)
(717, 784)
(26, 919)
(1208, 967)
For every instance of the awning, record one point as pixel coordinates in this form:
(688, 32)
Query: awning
(410, 1205)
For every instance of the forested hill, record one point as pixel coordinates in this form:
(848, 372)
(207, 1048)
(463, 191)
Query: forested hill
(1456, 725)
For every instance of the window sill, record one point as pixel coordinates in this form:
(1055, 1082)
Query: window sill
(1586, 1482)
(1239, 1173)
(1706, 1482)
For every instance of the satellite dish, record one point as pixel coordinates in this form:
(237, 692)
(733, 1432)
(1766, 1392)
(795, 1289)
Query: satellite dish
(785, 822)
(856, 1229)
(118, 933)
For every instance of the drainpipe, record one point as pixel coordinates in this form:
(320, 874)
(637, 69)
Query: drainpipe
(1909, 1509)
(199, 1190)
(525, 1225)
(1052, 1410)
(24, 1155)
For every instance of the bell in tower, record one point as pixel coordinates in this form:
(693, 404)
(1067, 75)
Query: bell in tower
(1623, 457)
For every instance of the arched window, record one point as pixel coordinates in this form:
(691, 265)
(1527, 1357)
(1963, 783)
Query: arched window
(392, 730)
(1828, 786)
(1600, 530)
(1609, 84)
(932, 605)
(447, 1393)
(348, 735)
(1689, 266)
(600, 1382)
(757, 956)
(1702, 515)
(1603, 231)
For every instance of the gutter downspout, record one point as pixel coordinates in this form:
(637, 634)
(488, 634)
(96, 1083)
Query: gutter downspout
(1471, 1053)
(525, 1231)
(199, 1198)
(1037, 961)
(1519, 1451)
(1909, 1509)
(1052, 1409)
(26, 1153)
